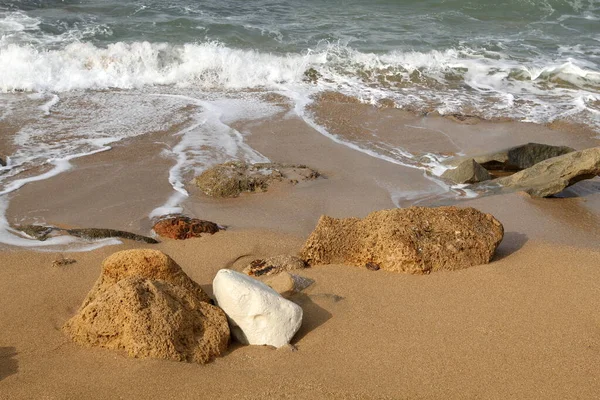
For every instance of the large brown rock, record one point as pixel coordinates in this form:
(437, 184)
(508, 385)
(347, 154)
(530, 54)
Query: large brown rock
(554, 174)
(233, 178)
(145, 304)
(414, 240)
(181, 227)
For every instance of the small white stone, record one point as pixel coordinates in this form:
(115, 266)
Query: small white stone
(257, 313)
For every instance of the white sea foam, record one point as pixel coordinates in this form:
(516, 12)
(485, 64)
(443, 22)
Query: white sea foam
(210, 140)
(447, 80)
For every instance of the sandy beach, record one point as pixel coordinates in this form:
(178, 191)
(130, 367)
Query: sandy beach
(525, 326)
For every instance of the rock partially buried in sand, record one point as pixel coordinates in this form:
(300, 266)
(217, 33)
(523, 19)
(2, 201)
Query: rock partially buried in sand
(181, 227)
(145, 304)
(233, 178)
(552, 176)
(43, 232)
(287, 284)
(274, 265)
(468, 171)
(414, 240)
(258, 314)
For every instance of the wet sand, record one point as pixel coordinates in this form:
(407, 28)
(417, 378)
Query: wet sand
(525, 326)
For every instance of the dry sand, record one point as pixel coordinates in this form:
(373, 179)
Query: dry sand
(525, 326)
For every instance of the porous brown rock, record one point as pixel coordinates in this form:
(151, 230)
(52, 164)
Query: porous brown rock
(415, 240)
(181, 227)
(274, 265)
(233, 178)
(468, 171)
(145, 304)
(553, 175)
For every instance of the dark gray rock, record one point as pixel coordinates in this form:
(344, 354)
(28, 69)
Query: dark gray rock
(551, 176)
(468, 171)
(529, 154)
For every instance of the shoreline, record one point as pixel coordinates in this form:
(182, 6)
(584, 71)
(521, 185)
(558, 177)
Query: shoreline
(526, 325)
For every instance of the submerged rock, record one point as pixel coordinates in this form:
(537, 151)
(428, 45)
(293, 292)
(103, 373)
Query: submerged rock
(102, 233)
(551, 176)
(468, 171)
(232, 178)
(257, 313)
(146, 305)
(311, 75)
(39, 232)
(274, 265)
(43, 232)
(415, 240)
(182, 227)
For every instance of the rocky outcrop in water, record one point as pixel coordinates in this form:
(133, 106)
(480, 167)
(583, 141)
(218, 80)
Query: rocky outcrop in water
(43, 232)
(145, 304)
(233, 178)
(181, 227)
(506, 161)
(415, 240)
(2, 162)
(551, 176)
(468, 171)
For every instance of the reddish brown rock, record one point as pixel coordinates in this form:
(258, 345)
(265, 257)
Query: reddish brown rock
(181, 227)
(145, 304)
(415, 240)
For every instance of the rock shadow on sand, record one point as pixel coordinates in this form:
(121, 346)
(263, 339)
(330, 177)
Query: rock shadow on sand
(511, 243)
(314, 314)
(8, 364)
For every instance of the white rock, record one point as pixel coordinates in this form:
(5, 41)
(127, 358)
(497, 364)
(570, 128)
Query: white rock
(257, 313)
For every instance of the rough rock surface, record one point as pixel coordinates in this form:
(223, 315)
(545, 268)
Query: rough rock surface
(514, 158)
(232, 178)
(147, 263)
(414, 240)
(257, 314)
(274, 265)
(2, 162)
(468, 171)
(529, 154)
(144, 304)
(555, 174)
(181, 227)
(43, 232)
(287, 284)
